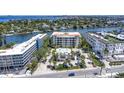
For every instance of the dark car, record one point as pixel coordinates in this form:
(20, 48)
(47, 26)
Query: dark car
(95, 73)
(77, 64)
(49, 66)
(71, 64)
(71, 74)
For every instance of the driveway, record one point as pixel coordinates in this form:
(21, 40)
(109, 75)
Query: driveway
(42, 68)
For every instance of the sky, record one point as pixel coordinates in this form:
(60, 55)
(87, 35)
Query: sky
(61, 7)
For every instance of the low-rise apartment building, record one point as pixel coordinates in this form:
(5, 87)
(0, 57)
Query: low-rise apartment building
(66, 39)
(20, 54)
(107, 45)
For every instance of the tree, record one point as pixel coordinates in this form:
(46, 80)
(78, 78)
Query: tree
(84, 44)
(32, 66)
(96, 61)
(75, 27)
(120, 75)
(42, 52)
(53, 52)
(46, 42)
(54, 62)
(106, 51)
(82, 57)
(82, 64)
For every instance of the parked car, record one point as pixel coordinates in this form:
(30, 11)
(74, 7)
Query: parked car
(49, 66)
(77, 64)
(71, 74)
(89, 62)
(71, 64)
(65, 65)
(95, 73)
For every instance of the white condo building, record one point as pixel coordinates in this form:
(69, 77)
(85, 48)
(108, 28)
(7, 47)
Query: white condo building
(66, 39)
(107, 45)
(20, 54)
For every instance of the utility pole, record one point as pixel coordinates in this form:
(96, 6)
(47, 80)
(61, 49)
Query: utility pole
(102, 65)
(101, 71)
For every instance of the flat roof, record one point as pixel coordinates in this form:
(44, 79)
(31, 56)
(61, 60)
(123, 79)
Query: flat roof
(21, 48)
(98, 37)
(109, 38)
(119, 56)
(66, 34)
(63, 50)
(112, 39)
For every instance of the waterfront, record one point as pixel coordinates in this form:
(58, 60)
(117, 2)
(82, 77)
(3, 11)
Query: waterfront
(19, 38)
(26, 17)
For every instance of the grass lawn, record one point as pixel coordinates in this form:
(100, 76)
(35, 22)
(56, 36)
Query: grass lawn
(60, 68)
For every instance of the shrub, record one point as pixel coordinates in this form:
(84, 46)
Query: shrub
(32, 66)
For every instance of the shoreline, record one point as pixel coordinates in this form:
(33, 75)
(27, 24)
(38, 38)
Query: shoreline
(52, 31)
(19, 33)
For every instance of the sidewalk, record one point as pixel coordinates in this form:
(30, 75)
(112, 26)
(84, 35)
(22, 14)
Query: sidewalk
(108, 75)
(106, 64)
(42, 68)
(65, 71)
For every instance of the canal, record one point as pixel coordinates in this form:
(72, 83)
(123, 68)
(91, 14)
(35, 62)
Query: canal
(19, 38)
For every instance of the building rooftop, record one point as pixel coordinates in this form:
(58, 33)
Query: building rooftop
(112, 39)
(66, 34)
(63, 50)
(21, 48)
(98, 37)
(119, 56)
(108, 37)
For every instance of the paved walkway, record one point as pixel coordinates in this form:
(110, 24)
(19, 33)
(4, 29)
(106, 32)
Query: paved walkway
(42, 68)
(106, 63)
(87, 60)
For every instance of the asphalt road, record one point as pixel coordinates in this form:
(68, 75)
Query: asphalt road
(82, 73)
(119, 69)
(88, 73)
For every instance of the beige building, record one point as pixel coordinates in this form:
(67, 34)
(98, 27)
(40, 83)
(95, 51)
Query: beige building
(66, 39)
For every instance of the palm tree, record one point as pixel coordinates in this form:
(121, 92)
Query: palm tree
(54, 62)
(102, 65)
(106, 51)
